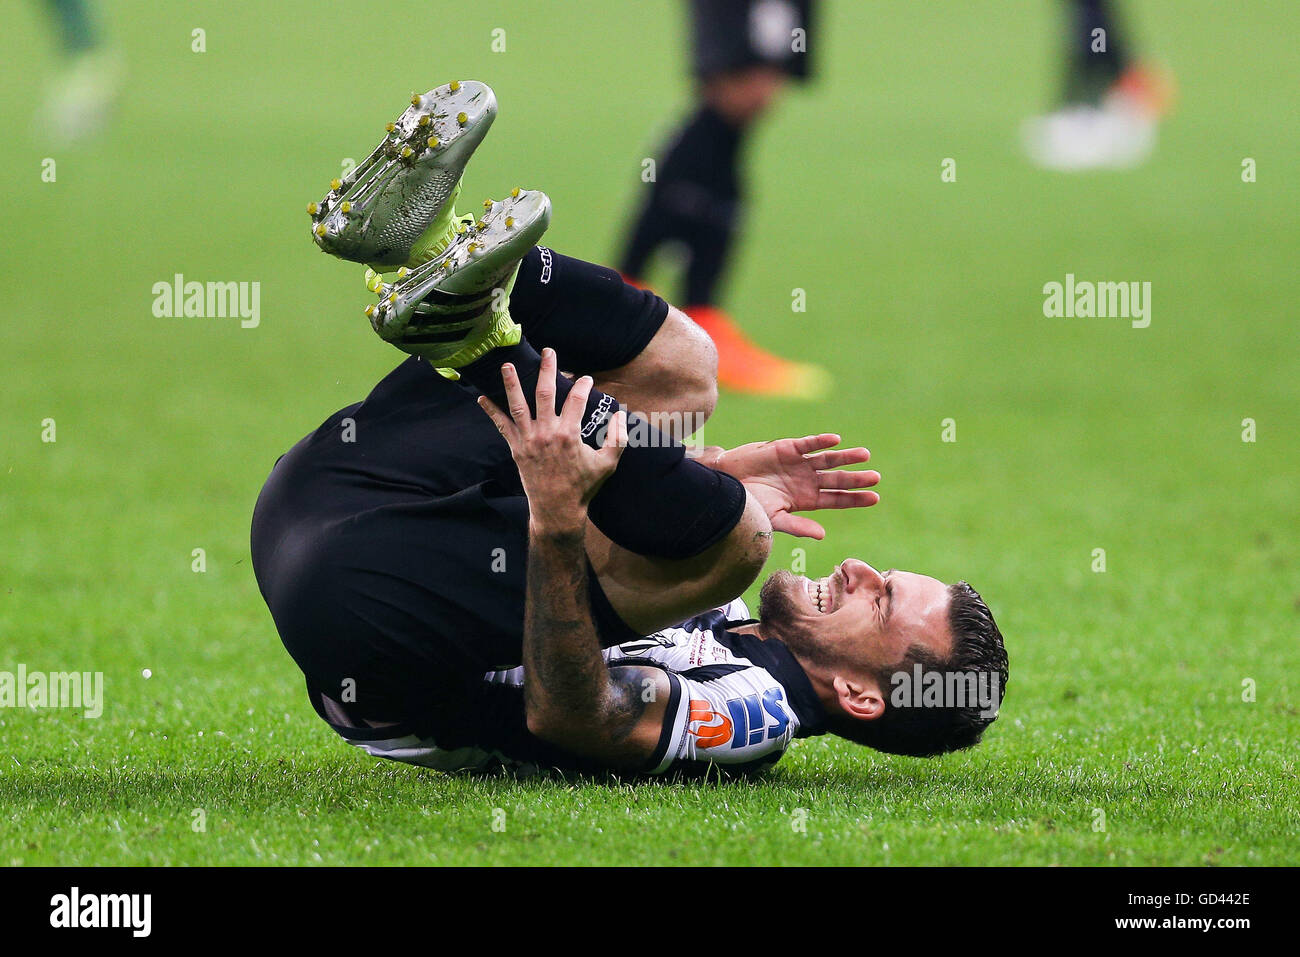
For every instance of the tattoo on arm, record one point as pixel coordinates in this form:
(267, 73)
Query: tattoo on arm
(565, 671)
(573, 697)
(628, 685)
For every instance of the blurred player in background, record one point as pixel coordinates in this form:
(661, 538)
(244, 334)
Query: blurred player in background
(745, 50)
(82, 96)
(1110, 106)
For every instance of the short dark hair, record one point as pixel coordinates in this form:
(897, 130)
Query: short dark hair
(923, 732)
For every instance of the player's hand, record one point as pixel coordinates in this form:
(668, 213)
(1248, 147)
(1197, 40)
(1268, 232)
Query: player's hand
(560, 473)
(798, 475)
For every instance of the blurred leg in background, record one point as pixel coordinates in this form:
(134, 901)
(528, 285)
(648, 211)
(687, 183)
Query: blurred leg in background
(83, 94)
(1111, 105)
(744, 54)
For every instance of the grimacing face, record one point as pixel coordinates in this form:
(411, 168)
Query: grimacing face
(857, 616)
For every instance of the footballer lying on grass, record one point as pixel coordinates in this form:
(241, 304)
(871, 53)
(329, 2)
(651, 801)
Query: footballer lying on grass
(476, 568)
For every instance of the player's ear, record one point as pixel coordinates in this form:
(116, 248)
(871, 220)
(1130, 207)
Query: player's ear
(861, 700)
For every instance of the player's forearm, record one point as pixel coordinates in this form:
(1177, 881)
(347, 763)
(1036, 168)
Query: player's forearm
(565, 673)
(571, 698)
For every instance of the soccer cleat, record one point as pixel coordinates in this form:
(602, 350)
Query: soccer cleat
(396, 207)
(455, 308)
(1118, 132)
(83, 98)
(747, 368)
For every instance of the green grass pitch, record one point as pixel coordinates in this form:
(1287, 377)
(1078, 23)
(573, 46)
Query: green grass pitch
(1124, 738)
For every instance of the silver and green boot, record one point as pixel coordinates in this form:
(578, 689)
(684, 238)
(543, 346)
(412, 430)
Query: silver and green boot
(398, 202)
(456, 307)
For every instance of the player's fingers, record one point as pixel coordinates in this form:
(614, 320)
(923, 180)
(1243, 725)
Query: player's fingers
(811, 443)
(841, 480)
(798, 526)
(499, 418)
(836, 498)
(515, 400)
(546, 384)
(576, 404)
(838, 458)
(615, 440)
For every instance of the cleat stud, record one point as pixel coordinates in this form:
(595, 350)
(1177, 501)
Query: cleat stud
(345, 206)
(392, 300)
(462, 119)
(335, 183)
(460, 230)
(390, 127)
(403, 273)
(454, 85)
(471, 247)
(487, 204)
(480, 225)
(432, 142)
(320, 229)
(370, 311)
(407, 152)
(312, 209)
(514, 193)
(424, 120)
(510, 222)
(415, 99)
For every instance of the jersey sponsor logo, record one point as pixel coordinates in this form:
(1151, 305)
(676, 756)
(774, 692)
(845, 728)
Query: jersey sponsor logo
(750, 714)
(546, 265)
(711, 728)
(598, 415)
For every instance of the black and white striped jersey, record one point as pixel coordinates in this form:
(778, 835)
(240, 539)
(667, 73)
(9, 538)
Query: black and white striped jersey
(737, 702)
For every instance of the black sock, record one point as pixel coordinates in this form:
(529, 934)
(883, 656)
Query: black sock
(695, 199)
(657, 502)
(1090, 72)
(586, 313)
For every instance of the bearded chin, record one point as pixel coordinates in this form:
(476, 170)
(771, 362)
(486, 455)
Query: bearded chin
(781, 618)
(776, 602)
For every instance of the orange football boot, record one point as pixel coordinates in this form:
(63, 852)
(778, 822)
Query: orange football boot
(743, 366)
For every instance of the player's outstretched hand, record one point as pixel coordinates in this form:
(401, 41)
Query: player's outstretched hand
(560, 473)
(798, 475)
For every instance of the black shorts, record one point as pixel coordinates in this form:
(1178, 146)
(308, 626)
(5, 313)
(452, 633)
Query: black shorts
(391, 543)
(731, 35)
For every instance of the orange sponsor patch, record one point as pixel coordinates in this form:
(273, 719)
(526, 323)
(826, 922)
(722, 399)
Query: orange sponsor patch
(711, 728)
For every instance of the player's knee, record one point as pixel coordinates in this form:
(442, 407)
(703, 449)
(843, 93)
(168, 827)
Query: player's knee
(682, 364)
(756, 532)
(741, 556)
(697, 367)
